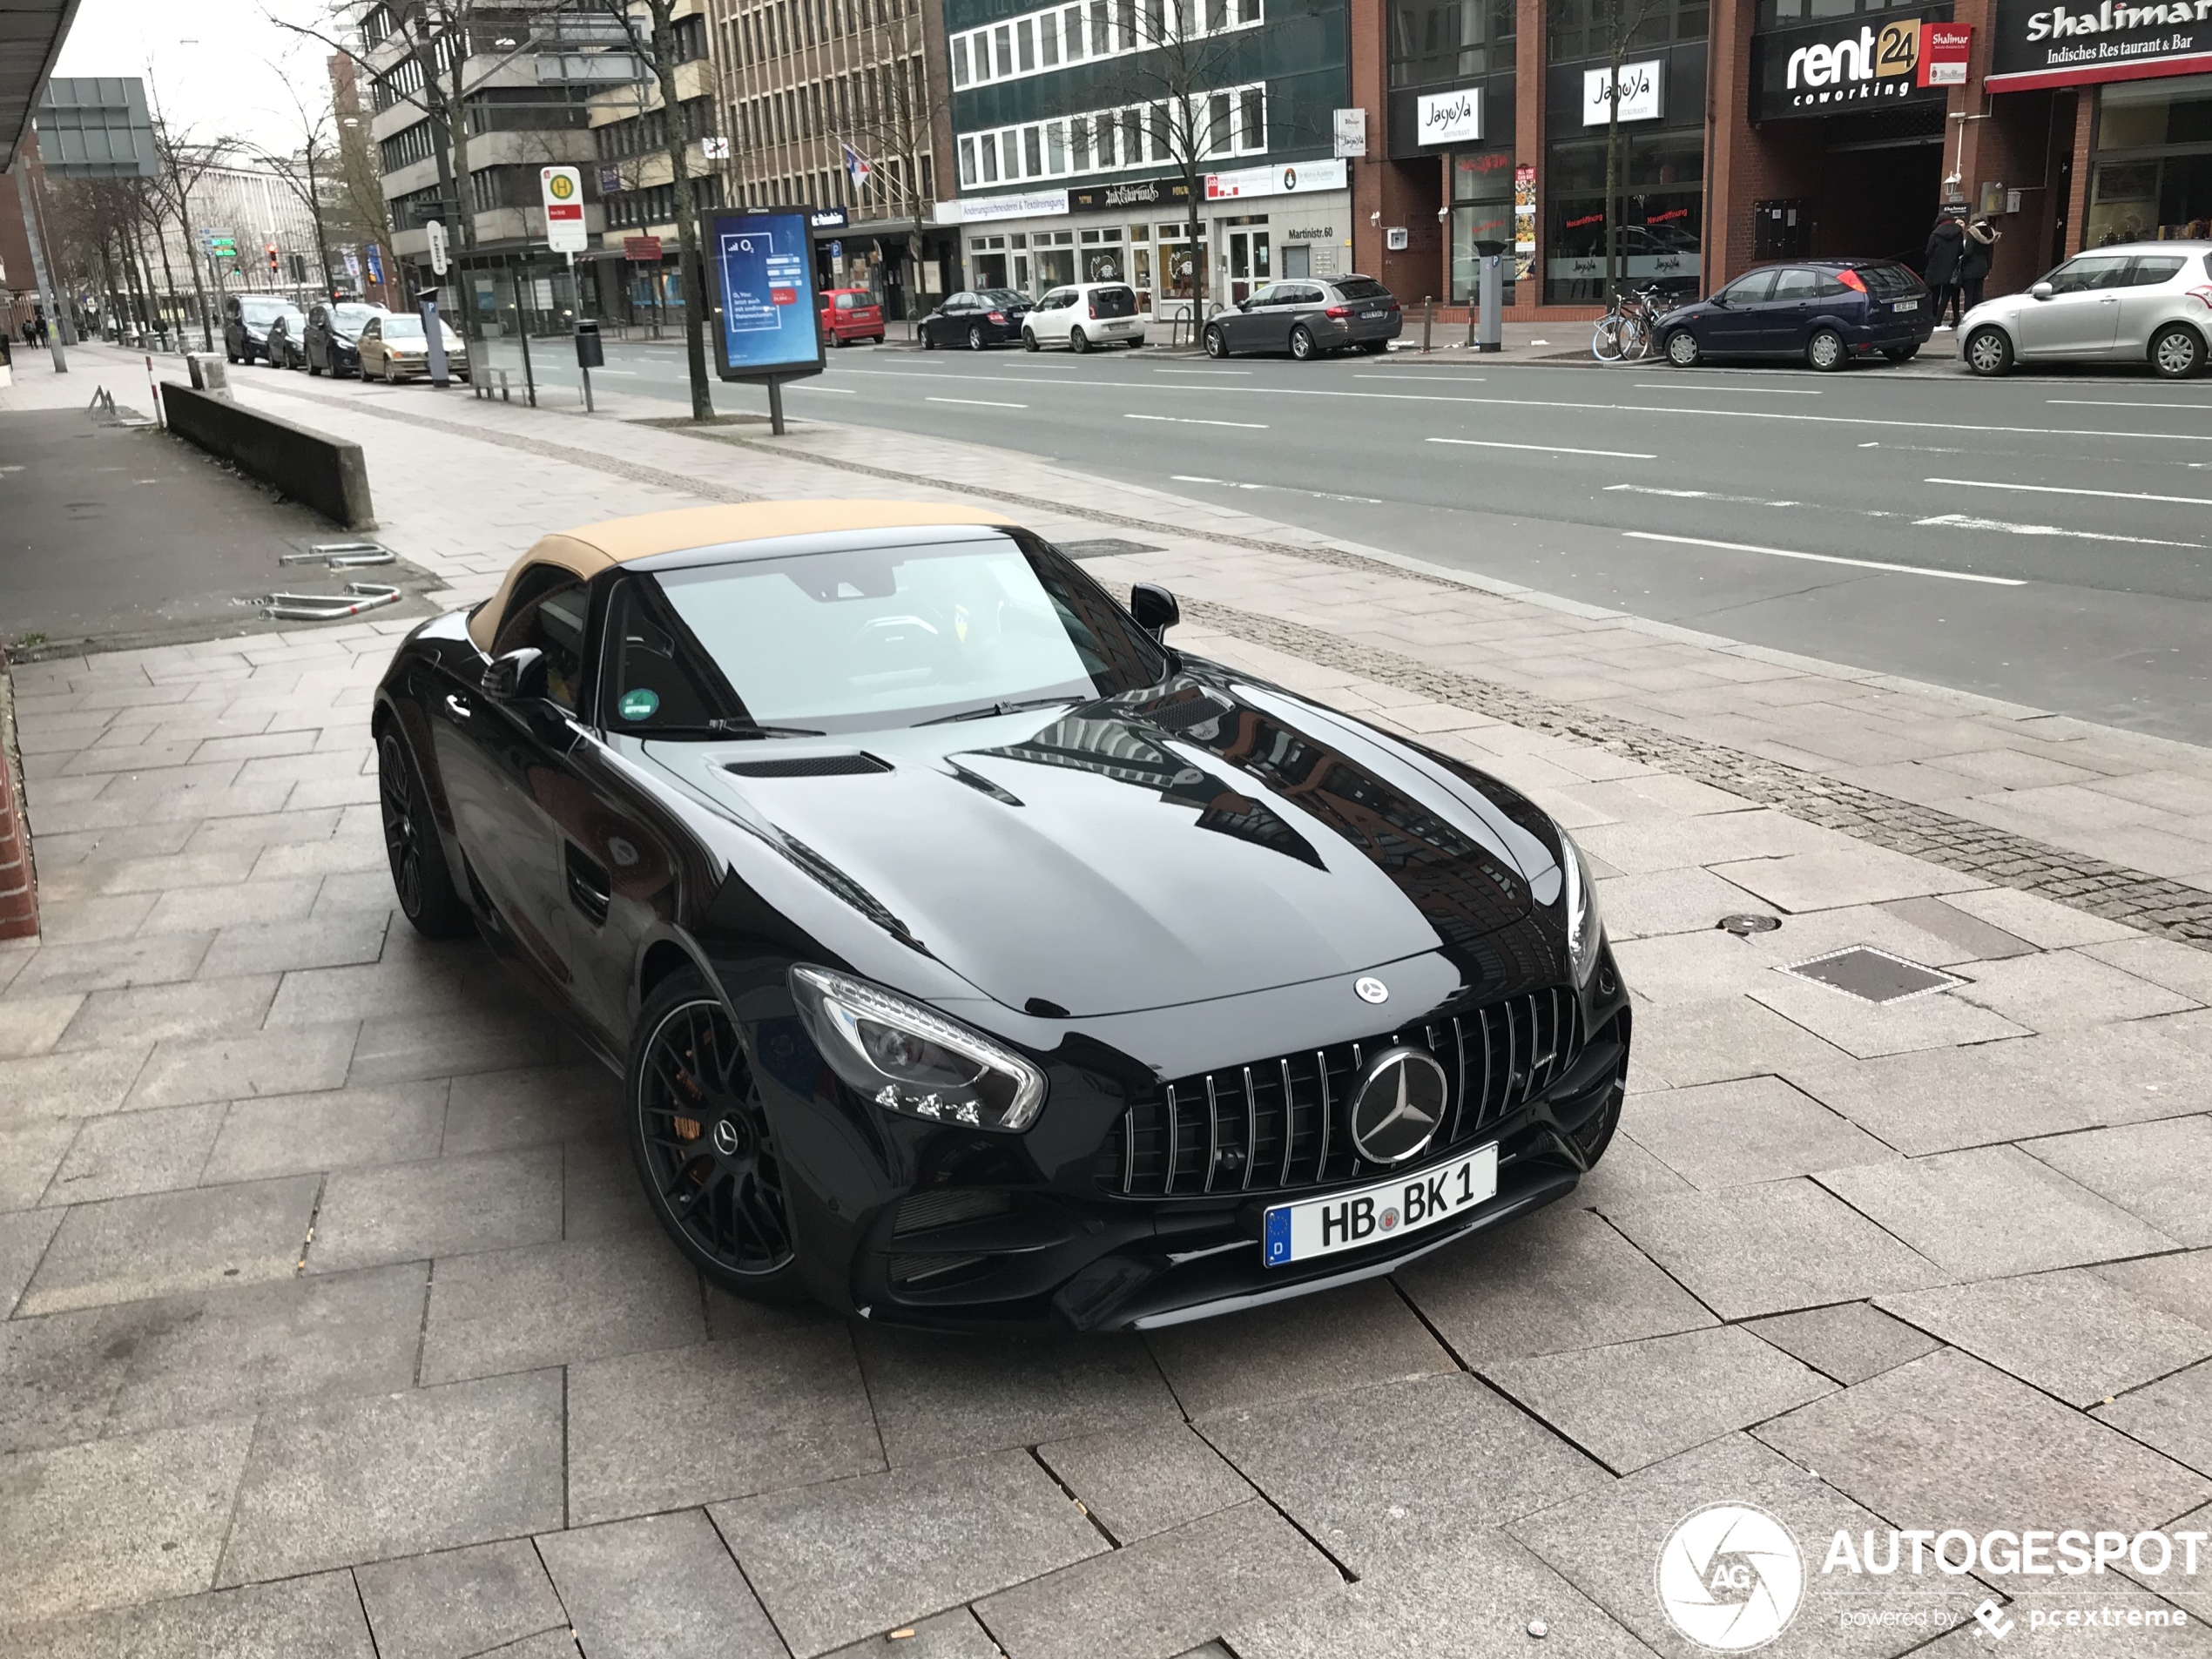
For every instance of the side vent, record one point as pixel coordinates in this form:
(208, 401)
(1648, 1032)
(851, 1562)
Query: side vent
(810, 766)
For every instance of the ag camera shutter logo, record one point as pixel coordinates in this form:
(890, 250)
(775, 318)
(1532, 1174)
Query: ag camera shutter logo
(1730, 1577)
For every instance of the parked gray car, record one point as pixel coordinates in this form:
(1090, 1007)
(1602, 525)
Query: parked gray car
(2147, 302)
(1307, 316)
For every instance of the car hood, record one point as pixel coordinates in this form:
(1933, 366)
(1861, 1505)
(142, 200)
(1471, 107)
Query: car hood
(1204, 841)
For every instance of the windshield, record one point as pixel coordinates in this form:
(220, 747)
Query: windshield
(866, 639)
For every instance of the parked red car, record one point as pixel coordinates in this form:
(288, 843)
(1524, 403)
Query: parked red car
(850, 314)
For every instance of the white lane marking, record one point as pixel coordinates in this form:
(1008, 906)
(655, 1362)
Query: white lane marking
(977, 402)
(1230, 484)
(1539, 403)
(631, 374)
(1827, 558)
(1441, 380)
(842, 391)
(2060, 490)
(1545, 449)
(1961, 520)
(1702, 495)
(1691, 386)
(2108, 403)
(1244, 372)
(1179, 420)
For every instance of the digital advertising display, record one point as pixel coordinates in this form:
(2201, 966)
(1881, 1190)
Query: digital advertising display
(762, 265)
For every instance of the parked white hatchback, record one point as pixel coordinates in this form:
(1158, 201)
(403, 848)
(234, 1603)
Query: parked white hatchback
(1084, 314)
(2146, 302)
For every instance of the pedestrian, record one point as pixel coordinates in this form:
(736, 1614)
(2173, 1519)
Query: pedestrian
(1974, 257)
(38, 318)
(2197, 230)
(1942, 272)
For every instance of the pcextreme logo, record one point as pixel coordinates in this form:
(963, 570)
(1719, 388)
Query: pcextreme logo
(1730, 1577)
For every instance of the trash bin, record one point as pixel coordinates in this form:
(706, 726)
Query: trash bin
(590, 350)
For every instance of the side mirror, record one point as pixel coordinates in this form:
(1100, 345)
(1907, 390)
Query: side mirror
(1154, 607)
(2041, 291)
(516, 677)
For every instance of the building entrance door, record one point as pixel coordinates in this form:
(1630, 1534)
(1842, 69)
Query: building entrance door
(1250, 265)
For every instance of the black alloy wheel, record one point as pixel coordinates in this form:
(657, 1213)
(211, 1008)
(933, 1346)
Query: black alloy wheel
(1683, 350)
(1825, 351)
(1215, 346)
(1029, 340)
(1301, 343)
(1988, 352)
(975, 336)
(703, 1145)
(419, 874)
(2178, 353)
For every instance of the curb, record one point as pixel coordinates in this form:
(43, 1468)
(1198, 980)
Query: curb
(18, 876)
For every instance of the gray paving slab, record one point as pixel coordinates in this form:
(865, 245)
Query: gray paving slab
(1636, 1403)
(331, 1129)
(455, 1603)
(1139, 1481)
(1980, 940)
(1849, 1341)
(939, 1397)
(125, 1153)
(316, 1617)
(453, 1045)
(2180, 1284)
(1671, 901)
(1313, 1345)
(835, 1562)
(107, 965)
(948, 1636)
(1939, 1020)
(1607, 1545)
(661, 1586)
(1992, 1212)
(1563, 1277)
(680, 1426)
(57, 1380)
(2159, 1172)
(31, 1150)
(191, 1010)
(108, 1522)
(1477, 1603)
(600, 1194)
(1736, 1134)
(2062, 990)
(69, 1085)
(339, 940)
(2073, 1333)
(31, 1025)
(227, 1353)
(496, 1110)
(548, 1304)
(1772, 1248)
(440, 1207)
(1938, 1443)
(351, 1481)
(1395, 1472)
(24, 1236)
(1162, 1596)
(236, 1068)
(164, 1244)
(2173, 1414)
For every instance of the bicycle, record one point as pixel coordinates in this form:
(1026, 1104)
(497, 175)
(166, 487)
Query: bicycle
(1625, 333)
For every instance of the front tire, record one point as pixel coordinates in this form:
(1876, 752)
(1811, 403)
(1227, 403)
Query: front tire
(975, 337)
(2177, 353)
(1683, 349)
(704, 1146)
(1301, 344)
(1988, 352)
(1825, 351)
(1029, 341)
(1217, 345)
(420, 875)
(391, 374)
(929, 340)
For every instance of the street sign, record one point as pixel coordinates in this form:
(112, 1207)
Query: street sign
(1352, 133)
(641, 250)
(563, 191)
(440, 250)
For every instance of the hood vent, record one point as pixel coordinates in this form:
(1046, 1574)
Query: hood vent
(1183, 714)
(809, 766)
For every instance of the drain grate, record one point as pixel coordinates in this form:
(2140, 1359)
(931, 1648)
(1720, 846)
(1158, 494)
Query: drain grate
(1872, 975)
(1103, 550)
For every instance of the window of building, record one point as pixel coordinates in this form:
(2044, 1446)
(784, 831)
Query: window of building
(1252, 119)
(1582, 28)
(1661, 215)
(2151, 172)
(1443, 40)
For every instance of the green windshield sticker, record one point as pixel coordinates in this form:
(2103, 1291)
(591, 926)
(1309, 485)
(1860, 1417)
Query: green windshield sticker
(638, 705)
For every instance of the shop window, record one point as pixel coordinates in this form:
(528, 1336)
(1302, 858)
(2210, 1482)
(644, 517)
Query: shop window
(1481, 218)
(1662, 178)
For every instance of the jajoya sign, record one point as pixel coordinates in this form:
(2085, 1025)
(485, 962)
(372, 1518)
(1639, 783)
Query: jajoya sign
(2040, 43)
(1449, 118)
(1830, 68)
(1640, 95)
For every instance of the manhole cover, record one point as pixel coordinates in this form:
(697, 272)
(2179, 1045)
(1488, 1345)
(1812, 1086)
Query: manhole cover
(1742, 925)
(1872, 975)
(1103, 550)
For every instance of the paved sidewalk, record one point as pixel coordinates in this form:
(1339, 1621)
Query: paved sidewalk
(334, 1320)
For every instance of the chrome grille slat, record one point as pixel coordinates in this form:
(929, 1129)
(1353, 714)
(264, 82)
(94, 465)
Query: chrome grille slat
(1175, 1135)
(1129, 1149)
(1251, 1126)
(1289, 1123)
(1213, 1134)
(1328, 1116)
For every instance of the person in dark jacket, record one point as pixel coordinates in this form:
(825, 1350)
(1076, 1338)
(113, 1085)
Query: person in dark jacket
(1942, 273)
(1975, 254)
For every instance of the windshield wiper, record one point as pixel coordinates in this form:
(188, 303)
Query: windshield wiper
(730, 729)
(989, 709)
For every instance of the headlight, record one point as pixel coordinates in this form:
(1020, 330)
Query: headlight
(1584, 929)
(912, 1059)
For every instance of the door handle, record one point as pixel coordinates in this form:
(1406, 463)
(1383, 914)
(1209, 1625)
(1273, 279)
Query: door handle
(456, 708)
(591, 890)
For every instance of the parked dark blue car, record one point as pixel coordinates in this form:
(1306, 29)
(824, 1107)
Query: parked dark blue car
(1821, 311)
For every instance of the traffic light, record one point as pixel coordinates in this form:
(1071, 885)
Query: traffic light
(274, 270)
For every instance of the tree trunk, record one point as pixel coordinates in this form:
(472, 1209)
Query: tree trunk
(169, 280)
(678, 127)
(1613, 173)
(193, 254)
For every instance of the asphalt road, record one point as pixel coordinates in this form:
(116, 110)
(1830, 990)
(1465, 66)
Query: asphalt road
(2044, 539)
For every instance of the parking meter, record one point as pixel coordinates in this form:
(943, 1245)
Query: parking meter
(1494, 304)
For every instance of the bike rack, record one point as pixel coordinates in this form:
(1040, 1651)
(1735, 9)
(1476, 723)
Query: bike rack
(329, 607)
(341, 556)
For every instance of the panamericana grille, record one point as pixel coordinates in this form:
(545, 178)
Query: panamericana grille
(1283, 1123)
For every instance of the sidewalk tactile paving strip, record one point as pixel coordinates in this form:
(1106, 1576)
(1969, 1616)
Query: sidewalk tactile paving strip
(1871, 976)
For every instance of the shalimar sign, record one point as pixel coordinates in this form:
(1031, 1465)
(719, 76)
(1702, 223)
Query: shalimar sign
(2073, 43)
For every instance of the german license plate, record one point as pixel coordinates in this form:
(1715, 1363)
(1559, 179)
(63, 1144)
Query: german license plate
(1367, 315)
(1299, 1232)
(1908, 305)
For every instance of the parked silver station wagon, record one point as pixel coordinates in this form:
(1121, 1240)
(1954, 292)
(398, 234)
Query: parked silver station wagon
(2144, 302)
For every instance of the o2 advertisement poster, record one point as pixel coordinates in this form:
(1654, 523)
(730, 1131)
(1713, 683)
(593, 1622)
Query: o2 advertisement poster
(762, 266)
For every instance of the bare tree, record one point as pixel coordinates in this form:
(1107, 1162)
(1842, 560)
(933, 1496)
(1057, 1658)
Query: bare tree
(307, 174)
(184, 161)
(1620, 20)
(895, 105)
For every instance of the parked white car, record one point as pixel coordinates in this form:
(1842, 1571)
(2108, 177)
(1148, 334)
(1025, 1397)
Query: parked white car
(1084, 314)
(2145, 302)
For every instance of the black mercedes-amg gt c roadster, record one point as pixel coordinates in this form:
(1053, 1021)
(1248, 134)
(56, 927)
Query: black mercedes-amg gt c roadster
(972, 957)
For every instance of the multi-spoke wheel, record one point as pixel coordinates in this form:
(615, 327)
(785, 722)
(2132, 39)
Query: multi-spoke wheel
(419, 875)
(703, 1145)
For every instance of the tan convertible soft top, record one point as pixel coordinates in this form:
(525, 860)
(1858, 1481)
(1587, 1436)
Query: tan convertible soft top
(593, 548)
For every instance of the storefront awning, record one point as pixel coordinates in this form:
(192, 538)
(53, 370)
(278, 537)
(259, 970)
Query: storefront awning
(31, 32)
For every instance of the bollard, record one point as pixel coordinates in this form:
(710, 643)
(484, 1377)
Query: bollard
(1428, 320)
(1494, 303)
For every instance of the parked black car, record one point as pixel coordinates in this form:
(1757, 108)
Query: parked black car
(1307, 316)
(247, 318)
(972, 958)
(332, 340)
(1821, 311)
(986, 317)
